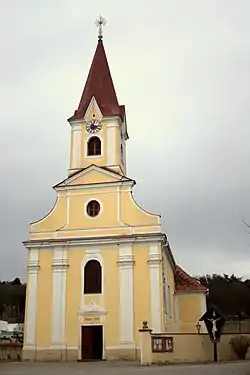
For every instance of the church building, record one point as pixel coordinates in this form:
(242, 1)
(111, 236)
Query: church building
(98, 263)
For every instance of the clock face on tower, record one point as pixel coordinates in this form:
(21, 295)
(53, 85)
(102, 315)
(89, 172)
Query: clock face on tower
(93, 126)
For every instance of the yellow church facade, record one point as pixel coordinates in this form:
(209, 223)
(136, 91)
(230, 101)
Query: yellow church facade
(98, 264)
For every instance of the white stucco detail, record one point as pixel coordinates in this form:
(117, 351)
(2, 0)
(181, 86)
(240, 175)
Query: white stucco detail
(77, 146)
(60, 265)
(126, 274)
(154, 260)
(86, 204)
(111, 143)
(124, 158)
(67, 208)
(93, 108)
(86, 140)
(30, 325)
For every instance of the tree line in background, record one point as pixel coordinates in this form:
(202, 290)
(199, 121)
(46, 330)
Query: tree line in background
(230, 294)
(12, 301)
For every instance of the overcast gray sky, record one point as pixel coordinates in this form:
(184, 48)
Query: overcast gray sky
(182, 68)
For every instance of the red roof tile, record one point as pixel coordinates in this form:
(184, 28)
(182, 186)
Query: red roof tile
(100, 85)
(186, 283)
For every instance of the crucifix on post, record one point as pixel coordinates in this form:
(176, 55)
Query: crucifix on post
(214, 322)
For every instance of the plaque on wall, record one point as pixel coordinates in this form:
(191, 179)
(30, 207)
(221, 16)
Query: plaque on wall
(162, 344)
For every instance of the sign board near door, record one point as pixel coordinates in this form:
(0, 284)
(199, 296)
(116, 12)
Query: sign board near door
(90, 319)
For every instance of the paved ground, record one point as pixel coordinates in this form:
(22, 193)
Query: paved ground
(122, 368)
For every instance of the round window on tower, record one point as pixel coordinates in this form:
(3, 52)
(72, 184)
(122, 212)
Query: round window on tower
(93, 208)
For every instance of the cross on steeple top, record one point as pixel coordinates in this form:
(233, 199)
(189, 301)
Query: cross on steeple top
(100, 23)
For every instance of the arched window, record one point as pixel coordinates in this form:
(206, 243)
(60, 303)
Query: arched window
(92, 277)
(94, 146)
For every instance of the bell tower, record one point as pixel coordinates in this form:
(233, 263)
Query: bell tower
(98, 126)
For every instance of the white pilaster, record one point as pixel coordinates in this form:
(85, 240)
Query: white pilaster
(126, 270)
(124, 158)
(30, 326)
(154, 260)
(77, 146)
(111, 143)
(60, 265)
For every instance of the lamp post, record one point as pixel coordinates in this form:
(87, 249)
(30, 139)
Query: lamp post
(198, 327)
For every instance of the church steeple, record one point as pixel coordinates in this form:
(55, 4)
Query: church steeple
(99, 85)
(98, 126)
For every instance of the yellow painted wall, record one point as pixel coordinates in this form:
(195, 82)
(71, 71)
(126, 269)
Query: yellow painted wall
(44, 299)
(190, 311)
(118, 210)
(94, 177)
(142, 309)
(55, 219)
(189, 307)
(132, 214)
(79, 219)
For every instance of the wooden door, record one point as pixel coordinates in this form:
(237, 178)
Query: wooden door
(87, 342)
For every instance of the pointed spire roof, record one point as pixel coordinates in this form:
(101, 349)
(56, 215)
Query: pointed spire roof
(100, 85)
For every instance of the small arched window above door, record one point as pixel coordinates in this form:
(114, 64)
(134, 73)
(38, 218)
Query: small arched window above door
(94, 146)
(93, 277)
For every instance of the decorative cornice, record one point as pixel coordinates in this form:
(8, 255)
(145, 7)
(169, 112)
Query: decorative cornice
(88, 241)
(92, 309)
(60, 265)
(126, 261)
(33, 267)
(112, 184)
(154, 259)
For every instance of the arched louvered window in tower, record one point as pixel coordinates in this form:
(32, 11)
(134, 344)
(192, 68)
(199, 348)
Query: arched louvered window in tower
(94, 146)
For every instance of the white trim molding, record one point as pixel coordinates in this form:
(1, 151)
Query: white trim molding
(111, 143)
(92, 254)
(154, 261)
(93, 107)
(76, 130)
(59, 265)
(97, 241)
(86, 141)
(30, 322)
(128, 183)
(85, 208)
(126, 272)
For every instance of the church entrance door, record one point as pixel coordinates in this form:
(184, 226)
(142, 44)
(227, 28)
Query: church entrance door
(92, 342)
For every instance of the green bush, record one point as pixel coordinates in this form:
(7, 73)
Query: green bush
(240, 345)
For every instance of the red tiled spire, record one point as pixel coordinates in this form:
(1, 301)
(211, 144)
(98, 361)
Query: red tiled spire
(100, 85)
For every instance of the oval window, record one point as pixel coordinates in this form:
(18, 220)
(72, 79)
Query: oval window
(93, 208)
